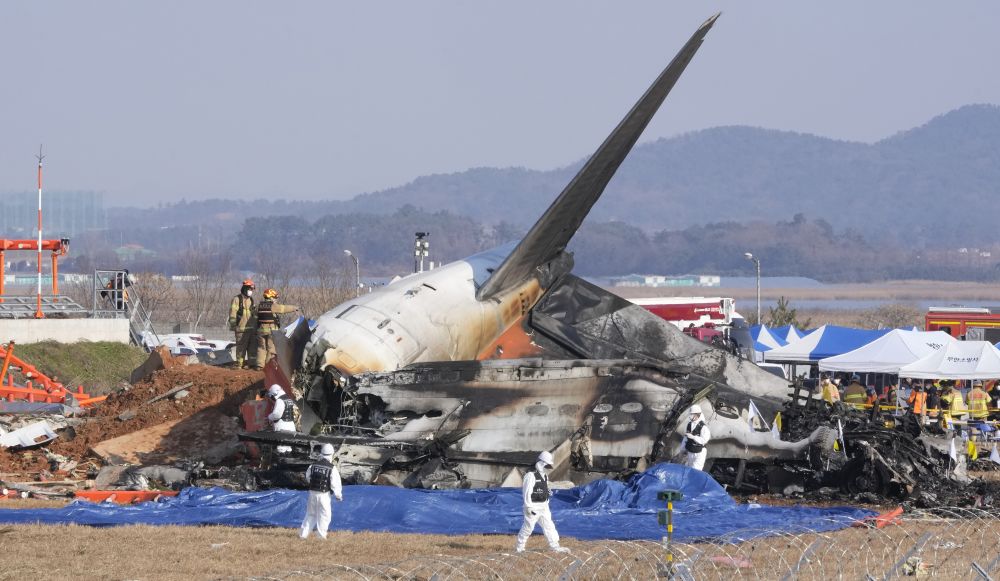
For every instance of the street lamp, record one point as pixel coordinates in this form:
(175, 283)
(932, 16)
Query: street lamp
(756, 262)
(357, 269)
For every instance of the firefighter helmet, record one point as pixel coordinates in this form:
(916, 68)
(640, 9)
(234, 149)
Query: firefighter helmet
(248, 283)
(270, 294)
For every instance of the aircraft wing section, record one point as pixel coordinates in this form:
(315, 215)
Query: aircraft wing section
(553, 231)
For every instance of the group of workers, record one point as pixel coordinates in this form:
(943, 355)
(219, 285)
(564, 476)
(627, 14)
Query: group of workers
(323, 479)
(941, 399)
(253, 324)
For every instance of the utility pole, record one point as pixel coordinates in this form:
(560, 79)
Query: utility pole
(756, 262)
(38, 305)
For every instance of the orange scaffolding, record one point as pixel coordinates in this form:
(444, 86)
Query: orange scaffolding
(38, 387)
(58, 247)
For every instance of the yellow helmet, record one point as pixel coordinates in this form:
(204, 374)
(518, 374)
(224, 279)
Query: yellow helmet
(270, 294)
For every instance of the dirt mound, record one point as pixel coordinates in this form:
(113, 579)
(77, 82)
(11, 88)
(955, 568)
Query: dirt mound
(219, 389)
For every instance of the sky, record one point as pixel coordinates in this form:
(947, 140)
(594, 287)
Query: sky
(154, 102)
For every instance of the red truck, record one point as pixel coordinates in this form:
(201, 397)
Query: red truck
(971, 323)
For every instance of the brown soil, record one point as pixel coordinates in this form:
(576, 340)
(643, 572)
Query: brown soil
(216, 388)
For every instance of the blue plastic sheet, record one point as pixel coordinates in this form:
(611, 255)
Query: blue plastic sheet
(604, 509)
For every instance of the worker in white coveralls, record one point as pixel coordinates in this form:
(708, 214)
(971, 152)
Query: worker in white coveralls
(696, 436)
(323, 478)
(282, 416)
(535, 495)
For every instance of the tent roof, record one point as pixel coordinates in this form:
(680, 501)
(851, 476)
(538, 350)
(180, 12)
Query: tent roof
(889, 352)
(764, 340)
(827, 341)
(957, 360)
(787, 333)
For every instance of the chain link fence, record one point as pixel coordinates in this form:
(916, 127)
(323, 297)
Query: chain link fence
(947, 543)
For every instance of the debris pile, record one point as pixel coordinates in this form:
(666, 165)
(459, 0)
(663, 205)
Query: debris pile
(173, 413)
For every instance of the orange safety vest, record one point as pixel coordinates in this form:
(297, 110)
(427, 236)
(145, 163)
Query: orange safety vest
(978, 400)
(917, 401)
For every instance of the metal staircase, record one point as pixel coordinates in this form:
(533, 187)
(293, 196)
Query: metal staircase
(116, 298)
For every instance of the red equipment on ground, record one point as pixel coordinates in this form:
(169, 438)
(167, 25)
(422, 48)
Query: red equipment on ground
(38, 387)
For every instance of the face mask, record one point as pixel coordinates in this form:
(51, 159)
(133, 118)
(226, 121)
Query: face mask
(250, 293)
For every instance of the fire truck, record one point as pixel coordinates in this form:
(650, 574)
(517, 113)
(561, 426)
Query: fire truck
(970, 323)
(686, 311)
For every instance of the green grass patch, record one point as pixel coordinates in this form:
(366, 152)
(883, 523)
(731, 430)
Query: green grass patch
(98, 366)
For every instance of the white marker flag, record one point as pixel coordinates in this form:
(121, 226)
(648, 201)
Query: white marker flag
(994, 455)
(775, 432)
(952, 452)
(753, 412)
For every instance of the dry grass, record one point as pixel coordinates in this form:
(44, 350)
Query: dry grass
(901, 291)
(170, 552)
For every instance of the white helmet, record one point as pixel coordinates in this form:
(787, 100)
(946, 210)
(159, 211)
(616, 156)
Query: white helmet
(326, 451)
(695, 409)
(275, 391)
(546, 458)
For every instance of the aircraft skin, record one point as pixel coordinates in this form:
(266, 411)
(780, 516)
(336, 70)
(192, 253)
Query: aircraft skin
(409, 364)
(452, 313)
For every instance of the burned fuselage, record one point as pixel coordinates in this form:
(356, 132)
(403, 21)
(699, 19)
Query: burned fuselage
(462, 374)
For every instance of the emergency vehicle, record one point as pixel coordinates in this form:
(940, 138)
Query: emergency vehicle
(970, 323)
(686, 311)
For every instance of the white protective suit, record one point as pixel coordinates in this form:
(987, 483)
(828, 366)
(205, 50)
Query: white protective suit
(318, 510)
(537, 512)
(696, 460)
(277, 424)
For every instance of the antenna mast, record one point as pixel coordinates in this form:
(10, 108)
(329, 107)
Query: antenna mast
(38, 306)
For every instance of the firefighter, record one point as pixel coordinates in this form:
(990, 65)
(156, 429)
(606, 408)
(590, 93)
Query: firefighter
(830, 392)
(979, 401)
(268, 320)
(954, 403)
(241, 322)
(855, 393)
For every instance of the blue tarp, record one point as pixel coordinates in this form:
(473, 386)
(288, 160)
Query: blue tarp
(604, 509)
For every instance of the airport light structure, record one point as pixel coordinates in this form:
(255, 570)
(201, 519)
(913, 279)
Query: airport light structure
(756, 262)
(421, 249)
(357, 271)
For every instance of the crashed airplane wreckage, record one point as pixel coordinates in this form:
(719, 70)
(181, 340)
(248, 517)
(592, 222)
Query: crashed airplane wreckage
(458, 376)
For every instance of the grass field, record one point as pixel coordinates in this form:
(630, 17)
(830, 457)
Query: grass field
(98, 366)
(948, 547)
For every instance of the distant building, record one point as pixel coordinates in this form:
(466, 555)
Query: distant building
(658, 280)
(64, 214)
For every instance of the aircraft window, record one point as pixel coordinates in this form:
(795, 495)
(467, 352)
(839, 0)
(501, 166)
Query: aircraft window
(631, 407)
(603, 408)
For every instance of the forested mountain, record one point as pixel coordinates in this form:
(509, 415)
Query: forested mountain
(906, 206)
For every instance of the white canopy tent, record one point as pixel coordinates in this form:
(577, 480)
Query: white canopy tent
(957, 360)
(889, 352)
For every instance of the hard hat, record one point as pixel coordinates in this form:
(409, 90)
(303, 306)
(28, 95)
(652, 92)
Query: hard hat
(326, 450)
(249, 283)
(977, 383)
(270, 294)
(695, 409)
(275, 391)
(546, 457)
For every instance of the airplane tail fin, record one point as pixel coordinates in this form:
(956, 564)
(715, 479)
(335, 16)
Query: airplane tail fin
(553, 231)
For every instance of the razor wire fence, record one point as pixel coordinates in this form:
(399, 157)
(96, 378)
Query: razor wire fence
(947, 543)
